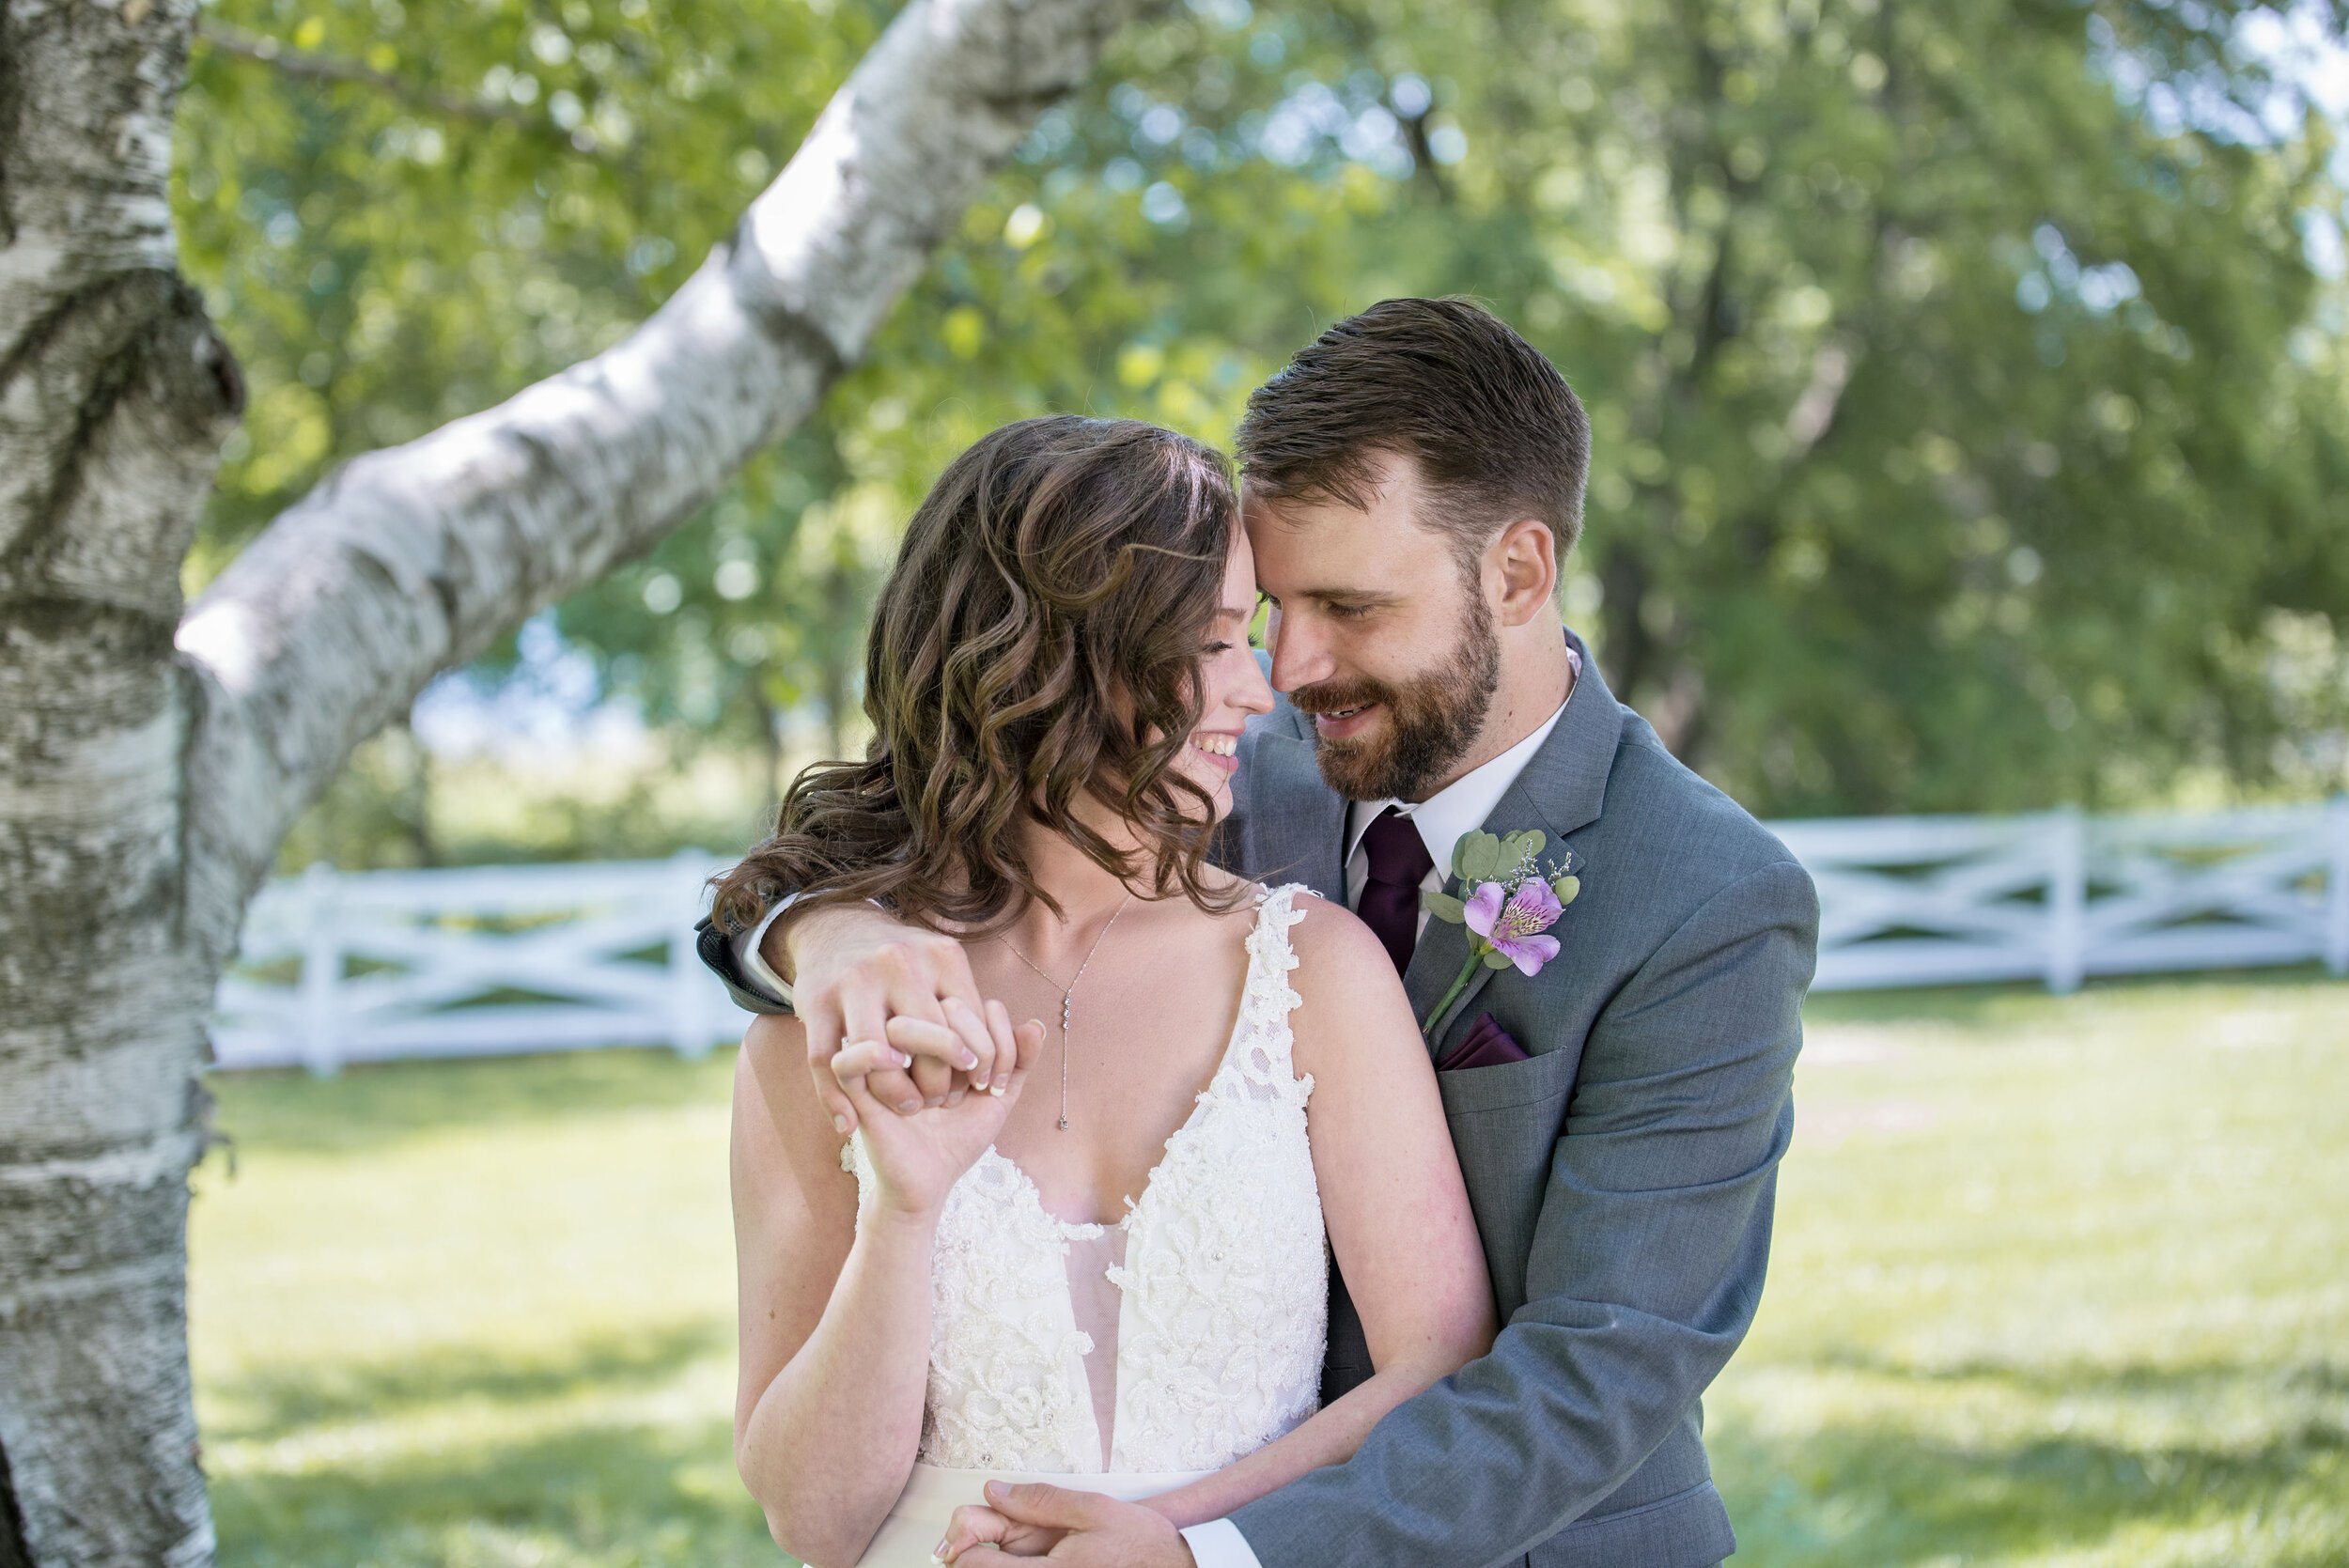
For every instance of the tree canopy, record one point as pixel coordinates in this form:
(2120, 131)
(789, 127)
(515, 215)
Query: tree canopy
(1968, 384)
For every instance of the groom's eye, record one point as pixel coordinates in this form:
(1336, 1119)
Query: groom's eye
(1349, 612)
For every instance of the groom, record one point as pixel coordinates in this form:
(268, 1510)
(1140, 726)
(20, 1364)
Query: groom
(1412, 482)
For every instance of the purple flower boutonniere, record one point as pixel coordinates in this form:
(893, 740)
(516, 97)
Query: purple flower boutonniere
(1515, 899)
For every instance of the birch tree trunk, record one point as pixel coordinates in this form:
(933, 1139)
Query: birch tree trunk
(150, 760)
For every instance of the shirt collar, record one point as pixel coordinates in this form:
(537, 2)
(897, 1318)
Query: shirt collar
(1460, 806)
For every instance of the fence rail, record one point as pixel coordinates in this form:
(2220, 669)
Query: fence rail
(372, 966)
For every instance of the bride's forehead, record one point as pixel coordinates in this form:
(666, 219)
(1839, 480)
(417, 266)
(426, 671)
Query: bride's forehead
(1239, 572)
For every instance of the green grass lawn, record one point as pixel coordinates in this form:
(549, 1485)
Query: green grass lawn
(2057, 1282)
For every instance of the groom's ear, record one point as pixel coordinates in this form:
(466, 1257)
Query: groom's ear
(1521, 565)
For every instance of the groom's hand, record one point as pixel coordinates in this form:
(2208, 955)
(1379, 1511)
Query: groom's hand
(853, 970)
(1101, 1533)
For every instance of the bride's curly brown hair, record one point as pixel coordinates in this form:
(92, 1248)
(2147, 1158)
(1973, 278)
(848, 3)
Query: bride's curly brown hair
(1037, 644)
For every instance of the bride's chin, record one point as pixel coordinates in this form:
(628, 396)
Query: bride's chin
(1216, 786)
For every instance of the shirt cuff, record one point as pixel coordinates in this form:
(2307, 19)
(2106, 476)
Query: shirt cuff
(1218, 1543)
(751, 965)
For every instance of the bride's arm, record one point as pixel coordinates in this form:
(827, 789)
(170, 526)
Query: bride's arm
(834, 1316)
(1393, 1199)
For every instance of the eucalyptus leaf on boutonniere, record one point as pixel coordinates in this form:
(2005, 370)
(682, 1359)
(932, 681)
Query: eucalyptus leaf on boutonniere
(1514, 898)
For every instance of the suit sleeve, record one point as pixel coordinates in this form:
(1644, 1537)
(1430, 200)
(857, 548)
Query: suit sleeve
(1645, 1269)
(735, 960)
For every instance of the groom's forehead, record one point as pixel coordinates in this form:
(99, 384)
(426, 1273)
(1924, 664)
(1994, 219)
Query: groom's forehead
(1298, 542)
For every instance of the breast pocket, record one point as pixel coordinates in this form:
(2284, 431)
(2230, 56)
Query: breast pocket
(1505, 1120)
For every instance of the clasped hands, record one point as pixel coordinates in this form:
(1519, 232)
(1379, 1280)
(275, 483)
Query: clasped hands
(895, 1024)
(892, 1015)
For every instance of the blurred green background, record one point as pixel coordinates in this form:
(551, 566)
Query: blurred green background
(1969, 381)
(1971, 410)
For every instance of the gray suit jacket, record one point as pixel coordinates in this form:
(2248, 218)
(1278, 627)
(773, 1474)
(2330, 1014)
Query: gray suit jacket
(1621, 1177)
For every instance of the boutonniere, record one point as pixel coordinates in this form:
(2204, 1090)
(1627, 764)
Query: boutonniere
(1515, 898)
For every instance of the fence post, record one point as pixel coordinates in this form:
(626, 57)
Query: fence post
(322, 971)
(690, 984)
(2067, 899)
(2337, 886)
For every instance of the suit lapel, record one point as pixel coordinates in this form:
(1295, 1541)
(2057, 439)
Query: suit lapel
(1562, 789)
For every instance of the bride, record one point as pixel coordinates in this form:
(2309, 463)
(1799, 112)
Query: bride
(1102, 1258)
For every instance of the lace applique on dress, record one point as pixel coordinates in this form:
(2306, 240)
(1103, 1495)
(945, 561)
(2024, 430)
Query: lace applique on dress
(1224, 1284)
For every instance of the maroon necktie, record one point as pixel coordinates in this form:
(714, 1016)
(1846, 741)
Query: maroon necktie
(1399, 861)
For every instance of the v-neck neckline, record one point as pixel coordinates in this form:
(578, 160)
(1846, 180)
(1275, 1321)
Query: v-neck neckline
(1088, 1227)
(1072, 1229)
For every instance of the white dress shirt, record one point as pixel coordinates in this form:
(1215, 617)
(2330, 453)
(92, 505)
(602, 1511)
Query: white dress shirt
(1459, 807)
(753, 963)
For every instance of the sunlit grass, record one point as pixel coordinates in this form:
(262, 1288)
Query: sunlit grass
(2058, 1281)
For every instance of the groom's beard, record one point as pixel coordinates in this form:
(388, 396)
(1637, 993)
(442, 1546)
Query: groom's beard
(1429, 720)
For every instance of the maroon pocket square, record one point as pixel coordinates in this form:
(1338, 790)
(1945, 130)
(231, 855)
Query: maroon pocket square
(1486, 1045)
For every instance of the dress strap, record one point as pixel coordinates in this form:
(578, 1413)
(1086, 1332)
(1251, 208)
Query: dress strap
(1262, 1049)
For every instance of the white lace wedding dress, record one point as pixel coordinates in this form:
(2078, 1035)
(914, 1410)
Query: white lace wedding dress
(1131, 1358)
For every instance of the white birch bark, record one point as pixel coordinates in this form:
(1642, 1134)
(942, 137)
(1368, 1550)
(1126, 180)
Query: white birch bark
(150, 761)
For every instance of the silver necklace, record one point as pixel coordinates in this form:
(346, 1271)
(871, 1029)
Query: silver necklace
(1067, 996)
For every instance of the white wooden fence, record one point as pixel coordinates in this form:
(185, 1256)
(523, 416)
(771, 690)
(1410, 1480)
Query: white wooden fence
(372, 966)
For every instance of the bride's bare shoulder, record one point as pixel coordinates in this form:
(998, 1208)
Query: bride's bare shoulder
(1335, 951)
(1349, 997)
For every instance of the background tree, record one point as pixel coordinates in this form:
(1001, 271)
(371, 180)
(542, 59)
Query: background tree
(152, 760)
(1968, 383)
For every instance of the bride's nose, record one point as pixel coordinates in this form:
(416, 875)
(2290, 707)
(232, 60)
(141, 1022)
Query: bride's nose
(1251, 693)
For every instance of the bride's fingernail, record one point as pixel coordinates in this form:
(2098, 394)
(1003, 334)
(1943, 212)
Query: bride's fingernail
(938, 1554)
(996, 1089)
(840, 1123)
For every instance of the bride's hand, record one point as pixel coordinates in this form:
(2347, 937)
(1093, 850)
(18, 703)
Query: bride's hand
(975, 1524)
(918, 1157)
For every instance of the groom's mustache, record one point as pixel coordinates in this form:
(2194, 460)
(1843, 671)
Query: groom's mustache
(1336, 696)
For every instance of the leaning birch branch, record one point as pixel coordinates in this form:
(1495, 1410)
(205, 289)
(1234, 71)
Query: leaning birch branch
(410, 560)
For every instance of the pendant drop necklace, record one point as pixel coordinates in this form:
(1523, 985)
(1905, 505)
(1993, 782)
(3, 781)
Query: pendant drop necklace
(1067, 995)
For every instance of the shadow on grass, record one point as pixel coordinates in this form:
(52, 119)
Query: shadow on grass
(275, 1404)
(597, 1498)
(1873, 1494)
(365, 1108)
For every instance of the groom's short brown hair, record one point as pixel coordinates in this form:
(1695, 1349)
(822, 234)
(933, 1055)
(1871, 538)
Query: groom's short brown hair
(1496, 431)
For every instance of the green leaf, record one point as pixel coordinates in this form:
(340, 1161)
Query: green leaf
(1443, 907)
(1567, 889)
(1497, 959)
(1478, 857)
(1460, 848)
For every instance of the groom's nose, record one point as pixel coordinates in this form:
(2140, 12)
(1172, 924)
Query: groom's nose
(1300, 652)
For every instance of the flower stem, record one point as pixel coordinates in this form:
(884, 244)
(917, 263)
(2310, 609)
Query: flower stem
(1458, 985)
